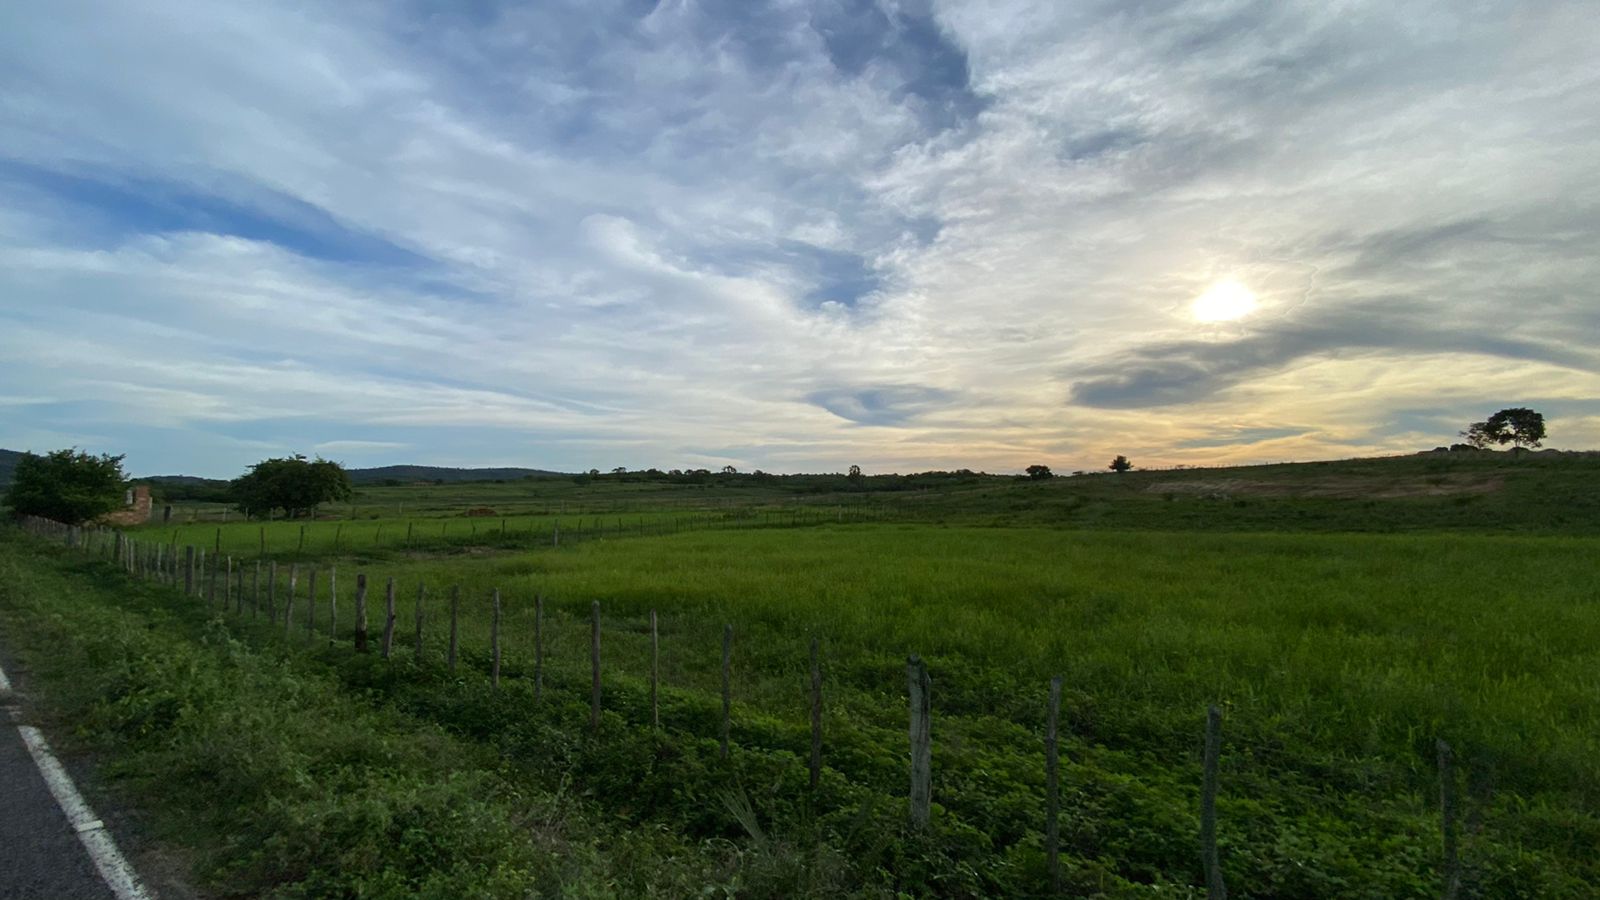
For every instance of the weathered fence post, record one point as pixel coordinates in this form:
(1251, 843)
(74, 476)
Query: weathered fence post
(727, 686)
(1215, 889)
(655, 672)
(301, 546)
(217, 547)
(263, 535)
(255, 592)
(361, 612)
(919, 689)
(311, 604)
(409, 526)
(211, 580)
(1447, 823)
(538, 646)
(333, 604)
(188, 571)
(455, 612)
(494, 642)
(1052, 787)
(227, 585)
(288, 602)
(337, 530)
(594, 664)
(238, 590)
(388, 620)
(816, 714)
(272, 591)
(421, 592)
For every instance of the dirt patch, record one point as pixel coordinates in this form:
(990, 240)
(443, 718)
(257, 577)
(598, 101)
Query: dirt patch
(1350, 487)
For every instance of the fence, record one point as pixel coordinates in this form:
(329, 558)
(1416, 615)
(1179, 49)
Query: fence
(193, 577)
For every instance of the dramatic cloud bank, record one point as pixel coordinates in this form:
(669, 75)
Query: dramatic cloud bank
(794, 235)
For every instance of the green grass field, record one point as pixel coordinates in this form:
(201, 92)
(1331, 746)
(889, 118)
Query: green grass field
(1337, 657)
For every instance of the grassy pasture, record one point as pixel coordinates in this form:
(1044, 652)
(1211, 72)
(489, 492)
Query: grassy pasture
(1344, 615)
(1338, 660)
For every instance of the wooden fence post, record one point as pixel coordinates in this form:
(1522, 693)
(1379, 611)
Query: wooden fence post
(263, 535)
(494, 642)
(333, 604)
(655, 672)
(919, 689)
(816, 713)
(188, 571)
(1447, 815)
(421, 592)
(455, 612)
(361, 612)
(594, 664)
(727, 686)
(255, 592)
(217, 547)
(300, 547)
(227, 585)
(288, 602)
(409, 526)
(272, 591)
(538, 646)
(238, 590)
(388, 620)
(1052, 787)
(311, 604)
(1215, 889)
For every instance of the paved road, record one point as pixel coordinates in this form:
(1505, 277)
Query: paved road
(41, 857)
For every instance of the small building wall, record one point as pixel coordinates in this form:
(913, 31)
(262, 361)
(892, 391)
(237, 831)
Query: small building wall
(136, 512)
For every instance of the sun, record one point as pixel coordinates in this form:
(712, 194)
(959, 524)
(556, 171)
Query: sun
(1224, 301)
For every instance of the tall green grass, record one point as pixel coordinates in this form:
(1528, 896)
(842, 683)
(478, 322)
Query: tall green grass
(1337, 658)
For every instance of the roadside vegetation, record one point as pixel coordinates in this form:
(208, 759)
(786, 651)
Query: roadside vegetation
(1337, 657)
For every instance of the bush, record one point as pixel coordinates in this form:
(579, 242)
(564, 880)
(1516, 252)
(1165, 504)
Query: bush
(67, 485)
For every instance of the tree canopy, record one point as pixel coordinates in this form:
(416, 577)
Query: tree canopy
(67, 485)
(293, 484)
(1120, 464)
(1037, 471)
(1519, 426)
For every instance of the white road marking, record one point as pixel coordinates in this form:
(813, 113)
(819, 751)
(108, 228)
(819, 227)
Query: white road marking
(108, 860)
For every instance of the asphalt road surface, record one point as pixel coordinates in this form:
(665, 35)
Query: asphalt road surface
(41, 857)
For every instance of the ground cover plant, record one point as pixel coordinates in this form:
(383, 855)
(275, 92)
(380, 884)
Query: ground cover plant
(1337, 658)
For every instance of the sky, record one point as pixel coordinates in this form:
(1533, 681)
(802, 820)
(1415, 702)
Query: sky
(794, 236)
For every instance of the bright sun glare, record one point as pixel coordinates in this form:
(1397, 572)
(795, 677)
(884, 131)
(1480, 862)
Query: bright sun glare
(1223, 302)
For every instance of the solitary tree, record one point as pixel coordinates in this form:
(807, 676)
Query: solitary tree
(855, 473)
(293, 484)
(66, 485)
(1037, 472)
(729, 470)
(1518, 426)
(1120, 464)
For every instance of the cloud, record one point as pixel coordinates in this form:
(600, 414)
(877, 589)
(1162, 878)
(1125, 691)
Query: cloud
(892, 404)
(632, 231)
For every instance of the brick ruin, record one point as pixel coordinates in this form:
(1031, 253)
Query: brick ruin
(136, 508)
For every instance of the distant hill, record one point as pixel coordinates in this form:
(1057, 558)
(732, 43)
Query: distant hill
(189, 484)
(8, 466)
(411, 474)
